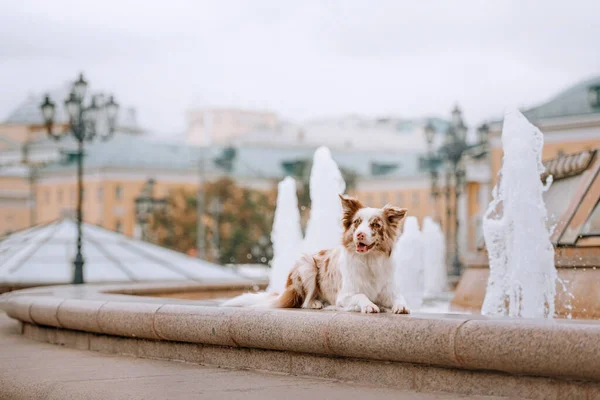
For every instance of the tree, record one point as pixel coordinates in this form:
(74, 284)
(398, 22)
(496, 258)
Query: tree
(244, 220)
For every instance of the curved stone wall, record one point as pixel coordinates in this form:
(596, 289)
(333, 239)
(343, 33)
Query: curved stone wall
(577, 292)
(565, 354)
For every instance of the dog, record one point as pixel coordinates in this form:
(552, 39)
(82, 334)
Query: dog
(356, 276)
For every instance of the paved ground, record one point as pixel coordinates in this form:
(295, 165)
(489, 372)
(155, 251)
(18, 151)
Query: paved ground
(32, 370)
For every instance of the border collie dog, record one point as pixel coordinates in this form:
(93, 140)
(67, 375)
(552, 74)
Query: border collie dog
(358, 275)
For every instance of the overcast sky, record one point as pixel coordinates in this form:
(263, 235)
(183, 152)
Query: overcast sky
(302, 59)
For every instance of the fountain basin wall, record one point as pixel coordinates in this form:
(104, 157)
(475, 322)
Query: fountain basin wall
(452, 353)
(578, 272)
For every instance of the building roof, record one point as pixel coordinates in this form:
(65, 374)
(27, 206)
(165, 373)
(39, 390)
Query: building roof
(570, 102)
(124, 151)
(250, 161)
(44, 254)
(349, 132)
(28, 112)
(567, 165)
(19, 171)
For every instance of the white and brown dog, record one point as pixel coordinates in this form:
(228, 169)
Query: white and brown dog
(356, 276)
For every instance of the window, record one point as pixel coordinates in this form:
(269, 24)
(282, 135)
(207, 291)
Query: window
(119, 227)
(399, 199)
(59, 196)
(592, 225)
(100, 194)
(415, 198)
(118, 192)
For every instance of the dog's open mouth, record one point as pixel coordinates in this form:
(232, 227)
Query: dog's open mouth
(363, 248)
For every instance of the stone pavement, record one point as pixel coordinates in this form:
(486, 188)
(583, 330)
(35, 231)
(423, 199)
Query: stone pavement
(32, 370)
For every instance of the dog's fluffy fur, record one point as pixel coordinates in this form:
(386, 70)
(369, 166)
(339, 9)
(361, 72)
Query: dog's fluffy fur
(356, 276)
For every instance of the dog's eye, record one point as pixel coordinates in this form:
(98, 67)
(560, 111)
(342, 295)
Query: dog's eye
(356, 222)
(375, 225)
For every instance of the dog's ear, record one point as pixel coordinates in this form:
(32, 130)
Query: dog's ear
(350, 206)
(394, 215)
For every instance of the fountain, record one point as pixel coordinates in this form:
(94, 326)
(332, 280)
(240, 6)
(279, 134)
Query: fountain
(434, 259)
(408, 256)
(522, 280)
(286, 235)
(437, 352)
(324, 227)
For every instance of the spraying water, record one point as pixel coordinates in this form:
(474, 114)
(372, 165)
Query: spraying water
(324, 227)
(286, 234)
(408, 257)
(434, 256)
(522, 280)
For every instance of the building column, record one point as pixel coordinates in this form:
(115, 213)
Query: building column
(463, 228)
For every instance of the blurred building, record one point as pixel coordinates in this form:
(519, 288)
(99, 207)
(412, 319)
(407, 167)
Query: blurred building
(348, 132)
(116, 171)
(223, 125)
(570, 122)
(26, 153)
(38, 185)
(380, 155)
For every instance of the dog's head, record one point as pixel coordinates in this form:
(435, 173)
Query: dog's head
(368, 229)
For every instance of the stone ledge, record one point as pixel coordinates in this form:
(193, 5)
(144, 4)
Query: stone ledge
(557, 349)
(407, 376)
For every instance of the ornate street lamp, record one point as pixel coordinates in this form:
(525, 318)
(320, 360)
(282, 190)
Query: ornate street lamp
(451, 154)
(145, 206)
(98, 118)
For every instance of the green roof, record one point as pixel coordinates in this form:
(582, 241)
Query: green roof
(571, 102)
(138, 152)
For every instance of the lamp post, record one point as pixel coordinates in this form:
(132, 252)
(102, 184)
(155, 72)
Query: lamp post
(451, 154)
(145, 206)
(216, 208)
(208, 160)
(431, 162)
(85, 124)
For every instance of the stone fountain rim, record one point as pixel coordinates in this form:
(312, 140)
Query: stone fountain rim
(555, 348)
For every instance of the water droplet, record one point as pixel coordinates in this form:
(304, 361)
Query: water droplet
(248, 256)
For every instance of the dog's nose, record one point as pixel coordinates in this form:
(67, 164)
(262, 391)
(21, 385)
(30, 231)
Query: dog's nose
(360, 236)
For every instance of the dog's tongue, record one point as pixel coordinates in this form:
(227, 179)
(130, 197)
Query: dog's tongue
(361, 247)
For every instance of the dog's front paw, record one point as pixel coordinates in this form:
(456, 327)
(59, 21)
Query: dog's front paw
(369, 308)
(400, 309)
(315, 304)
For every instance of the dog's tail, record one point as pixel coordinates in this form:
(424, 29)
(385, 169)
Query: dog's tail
(262, 299)
(289, 298)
